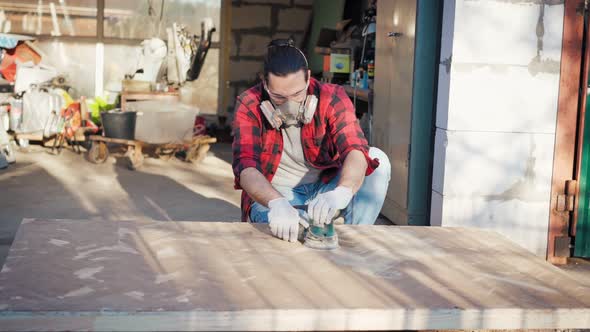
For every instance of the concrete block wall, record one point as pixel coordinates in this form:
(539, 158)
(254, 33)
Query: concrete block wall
(496, 117)
(254, 24)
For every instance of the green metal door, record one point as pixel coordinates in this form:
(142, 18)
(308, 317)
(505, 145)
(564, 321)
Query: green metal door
(426, 64)
(582, 247)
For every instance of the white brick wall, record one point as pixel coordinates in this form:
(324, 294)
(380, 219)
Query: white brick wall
(496, 118)
(500, 98)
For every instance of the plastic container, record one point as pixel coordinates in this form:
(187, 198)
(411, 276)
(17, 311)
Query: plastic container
(117, 124)
(39, 108)
(163, 122)
(16, 114)
(4, 117)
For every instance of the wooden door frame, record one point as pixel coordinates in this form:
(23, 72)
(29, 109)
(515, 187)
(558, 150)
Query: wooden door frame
(569, 109)
(223, 95)
(581, 124)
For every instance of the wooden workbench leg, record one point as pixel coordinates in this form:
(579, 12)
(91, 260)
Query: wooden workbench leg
(134, 157)
(200, 153)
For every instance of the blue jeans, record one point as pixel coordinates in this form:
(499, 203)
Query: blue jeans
(362, 210)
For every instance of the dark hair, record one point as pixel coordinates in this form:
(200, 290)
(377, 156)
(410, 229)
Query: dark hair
(283, 58)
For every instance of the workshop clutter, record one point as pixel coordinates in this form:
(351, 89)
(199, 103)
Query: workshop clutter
(35, 99)
(40, 108)
(6, 150)
(14, 108)
(153, 53)
(43, 110)
(151, 118)
(24, 53)
(349, 51)
(72, 126)
(140, 111)
(96, 106)
(30, 75)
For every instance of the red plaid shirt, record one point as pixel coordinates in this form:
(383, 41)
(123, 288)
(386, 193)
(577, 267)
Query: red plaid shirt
(327, 140)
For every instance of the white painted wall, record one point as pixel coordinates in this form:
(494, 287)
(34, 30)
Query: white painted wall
(496, 118)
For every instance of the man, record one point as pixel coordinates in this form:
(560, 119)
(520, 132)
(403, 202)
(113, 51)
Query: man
(297, 141)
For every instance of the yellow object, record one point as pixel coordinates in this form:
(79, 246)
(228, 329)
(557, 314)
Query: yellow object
(340, 63)
(66, 96)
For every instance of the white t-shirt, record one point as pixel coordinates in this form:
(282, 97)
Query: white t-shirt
(293, 170)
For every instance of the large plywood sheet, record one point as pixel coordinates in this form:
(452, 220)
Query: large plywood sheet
(104, 275)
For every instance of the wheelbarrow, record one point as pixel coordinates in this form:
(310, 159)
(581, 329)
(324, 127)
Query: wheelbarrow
(194, 150)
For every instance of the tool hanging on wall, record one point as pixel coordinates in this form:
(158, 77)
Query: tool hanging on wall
(201, 51)
(187, 52)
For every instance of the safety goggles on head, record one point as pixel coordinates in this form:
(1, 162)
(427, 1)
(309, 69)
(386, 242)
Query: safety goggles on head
(280, 99)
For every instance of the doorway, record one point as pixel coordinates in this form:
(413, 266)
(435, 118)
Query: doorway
(569, 221)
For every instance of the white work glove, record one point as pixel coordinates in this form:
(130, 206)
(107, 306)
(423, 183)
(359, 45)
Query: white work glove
(324, 207)
(283, 219)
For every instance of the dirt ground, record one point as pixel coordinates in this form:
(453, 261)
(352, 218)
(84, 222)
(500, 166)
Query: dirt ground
(42, 185)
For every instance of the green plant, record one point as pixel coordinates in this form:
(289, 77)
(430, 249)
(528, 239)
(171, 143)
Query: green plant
(97, 106)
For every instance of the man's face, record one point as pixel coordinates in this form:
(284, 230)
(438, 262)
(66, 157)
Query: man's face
(283, 88)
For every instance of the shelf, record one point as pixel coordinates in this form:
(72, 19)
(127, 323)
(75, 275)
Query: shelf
(361, 94)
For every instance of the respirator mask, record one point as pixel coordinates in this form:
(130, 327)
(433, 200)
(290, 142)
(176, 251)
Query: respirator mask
(290, 113)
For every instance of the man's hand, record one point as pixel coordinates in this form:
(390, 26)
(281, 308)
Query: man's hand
(283, 219)
(323, 208)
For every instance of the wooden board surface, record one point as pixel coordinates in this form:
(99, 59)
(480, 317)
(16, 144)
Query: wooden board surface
(140, 275)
